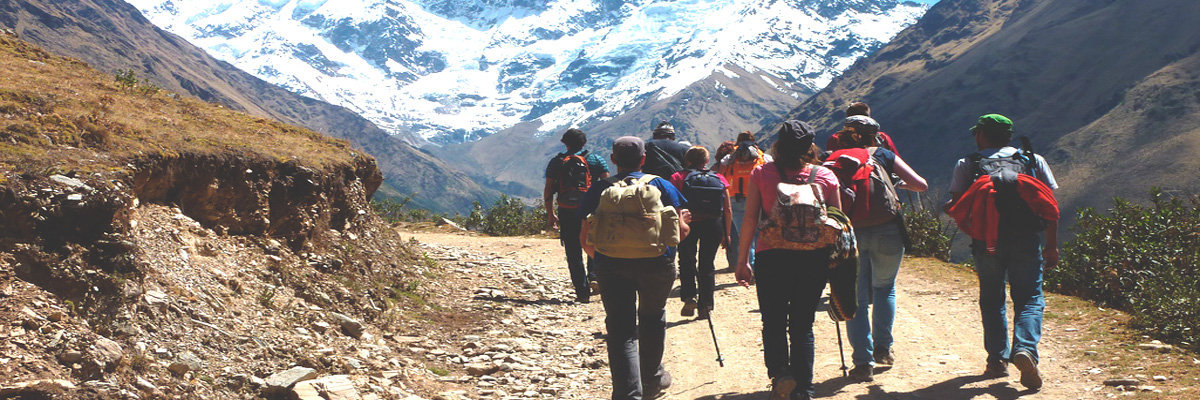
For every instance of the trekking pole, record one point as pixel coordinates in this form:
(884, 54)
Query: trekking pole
(841, 351)
(720, 360)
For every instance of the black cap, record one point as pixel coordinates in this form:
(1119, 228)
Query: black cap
(795, 135)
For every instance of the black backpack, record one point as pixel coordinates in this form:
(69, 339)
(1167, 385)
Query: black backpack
(660, 162)
(1015, 215)
(574, 179)
(705, 194)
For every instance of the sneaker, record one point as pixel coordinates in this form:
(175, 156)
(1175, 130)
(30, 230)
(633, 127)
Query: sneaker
(594, 287)
(781, 388)
(996, 369)
(884, 356)
(1030, 377)
(862, 373)
(660, 391)
(704, 312)
(689, 308)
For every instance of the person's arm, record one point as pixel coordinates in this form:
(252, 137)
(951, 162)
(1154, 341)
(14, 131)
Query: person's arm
(583, 242)
(728, 220)
(749, 227)
(685, 218)
(1050, 250)
(604, 175)
(911, 180)
(548, 203)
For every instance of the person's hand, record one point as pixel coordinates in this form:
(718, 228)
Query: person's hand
(725, 241)
(685, 215)
(744, 276)
(1050, 257)
(552, 220)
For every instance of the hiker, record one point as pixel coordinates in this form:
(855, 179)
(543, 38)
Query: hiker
(664, 155)
(631, 231)
(568, 177)
(736, 168)
(865, 171)
(838, 142)
(711, 221)
(1003, 198)
(790, 281)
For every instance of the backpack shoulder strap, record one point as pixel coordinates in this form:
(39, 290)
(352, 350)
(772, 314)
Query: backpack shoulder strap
(973, 160)
(812, 174)
(645, 179)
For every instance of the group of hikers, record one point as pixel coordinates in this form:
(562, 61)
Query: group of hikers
(792, 220)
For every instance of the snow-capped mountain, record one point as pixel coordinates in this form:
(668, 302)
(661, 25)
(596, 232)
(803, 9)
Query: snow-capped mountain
(450, 71)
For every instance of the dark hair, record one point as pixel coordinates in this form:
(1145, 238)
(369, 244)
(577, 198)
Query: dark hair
(858, 108)
(996, 137)
(574, 139)
(864, 140)
(745, 136)
(628, 163)
(696, 157)
(792, 161)
(726, 148)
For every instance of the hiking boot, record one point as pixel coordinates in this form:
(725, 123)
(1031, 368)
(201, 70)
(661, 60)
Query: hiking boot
(781, 388)
(689, 308)
(583, 299)
(996, 369)
(704, 312)
(660, 391)
(862, 373)
(884, 356)
(1030, 377)
(594, 287)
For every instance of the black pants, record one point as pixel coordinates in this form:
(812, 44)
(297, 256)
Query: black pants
(789, 289)
(569, 225)
(705, 237)
(634, 292)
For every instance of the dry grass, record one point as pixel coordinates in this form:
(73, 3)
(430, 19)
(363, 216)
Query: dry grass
(57, 114)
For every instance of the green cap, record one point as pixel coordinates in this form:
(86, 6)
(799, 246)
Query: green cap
(993, 123)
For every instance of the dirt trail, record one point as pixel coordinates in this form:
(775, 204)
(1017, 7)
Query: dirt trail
(938, 339)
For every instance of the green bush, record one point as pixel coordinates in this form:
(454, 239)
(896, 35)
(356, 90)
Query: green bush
(392, 210)
(1142, 259)
(509, 216)
(929, 234)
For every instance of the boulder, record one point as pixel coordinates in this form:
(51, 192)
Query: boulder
(284, 380)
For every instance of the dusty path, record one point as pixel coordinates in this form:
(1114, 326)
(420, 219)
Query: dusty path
(939, 350)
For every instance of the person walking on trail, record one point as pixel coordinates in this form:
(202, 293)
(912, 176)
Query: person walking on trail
(736, 168)
(789, 281)
(864, 171)
(634, 221)
(664, 155)
(711, 221)
(1003, 198)
(839, 142)
(568, 177)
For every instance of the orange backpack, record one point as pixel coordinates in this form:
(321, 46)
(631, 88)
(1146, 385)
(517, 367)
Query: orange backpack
(738, 175)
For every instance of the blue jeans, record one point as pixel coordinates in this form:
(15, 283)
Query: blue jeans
(1018, 260)
(634, 292)
(789, 284)
(738, 209)
(880, 250)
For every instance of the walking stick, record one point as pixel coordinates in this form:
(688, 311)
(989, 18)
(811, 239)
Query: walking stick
(720, 360)
(841, 351)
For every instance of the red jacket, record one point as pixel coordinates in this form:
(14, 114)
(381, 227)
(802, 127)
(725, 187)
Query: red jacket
(976, 215)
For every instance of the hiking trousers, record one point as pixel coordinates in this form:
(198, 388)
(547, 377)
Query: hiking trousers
(703, 240)
(880, 251)
(789, 284)
(569, 226)
(1018, 260)
(634, 292)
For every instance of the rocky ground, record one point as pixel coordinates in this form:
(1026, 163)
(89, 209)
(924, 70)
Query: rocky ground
(478, 317)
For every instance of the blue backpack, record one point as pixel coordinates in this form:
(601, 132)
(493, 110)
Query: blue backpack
(705, 194)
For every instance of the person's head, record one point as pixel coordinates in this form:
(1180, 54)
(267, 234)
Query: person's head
(795, 146)
(574, 139)
(664, 130)
(628, 153)
(858, 108)
(992, 130)
(745, 136)
(696, 157)
(860, 131)
(725, 149)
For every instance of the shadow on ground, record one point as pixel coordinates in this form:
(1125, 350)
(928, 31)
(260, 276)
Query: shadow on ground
(948, 390)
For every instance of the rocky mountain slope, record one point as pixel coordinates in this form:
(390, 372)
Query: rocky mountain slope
(1107, 91)
(111, 35)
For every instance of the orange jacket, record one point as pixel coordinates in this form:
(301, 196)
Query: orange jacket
(976, 214)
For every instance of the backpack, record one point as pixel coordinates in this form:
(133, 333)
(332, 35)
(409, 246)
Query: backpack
(867, 188)
(738, 173)
(1015, 215)
(631, 221)
(798, 221)
(705, 194)
(574, 179)
(660, 162)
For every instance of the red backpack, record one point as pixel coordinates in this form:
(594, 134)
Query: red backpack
(574, 179)
(868, 195)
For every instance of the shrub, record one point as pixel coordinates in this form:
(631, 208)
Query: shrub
(509, 216)
(1143, 259)
(392, 210)
(929, 234)
(126, 78)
